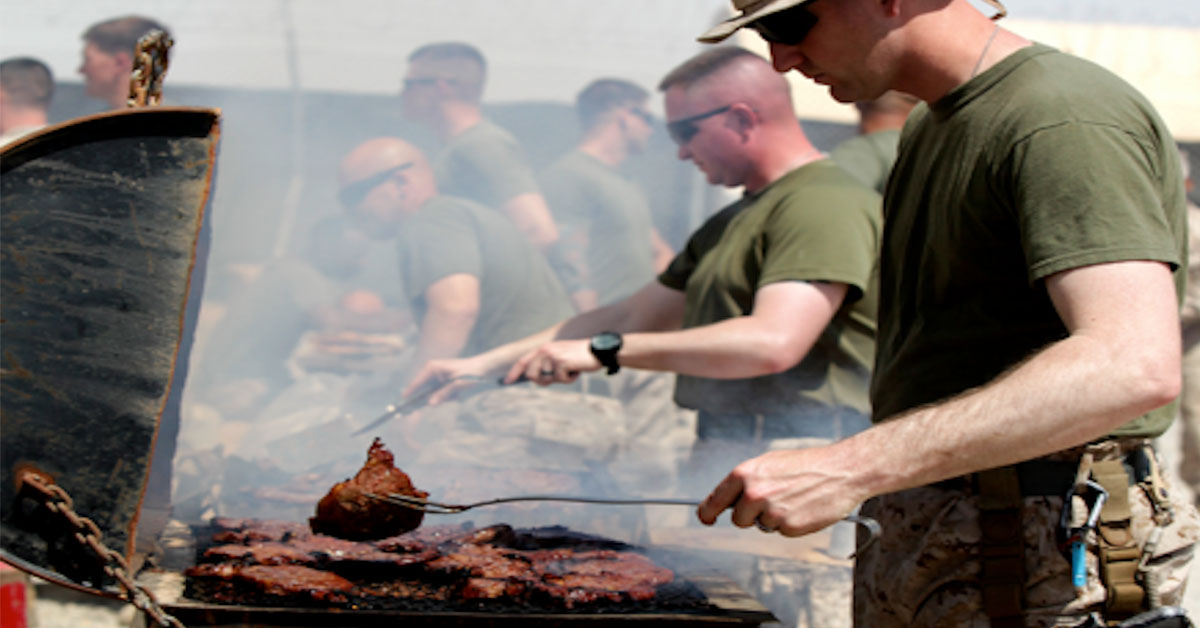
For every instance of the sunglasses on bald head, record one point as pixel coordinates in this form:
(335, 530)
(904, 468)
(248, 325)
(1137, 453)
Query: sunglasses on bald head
(788, 27)
(684, 129)
(352, 194)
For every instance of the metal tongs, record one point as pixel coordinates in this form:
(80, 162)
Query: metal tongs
(419, 398)
(441, 508)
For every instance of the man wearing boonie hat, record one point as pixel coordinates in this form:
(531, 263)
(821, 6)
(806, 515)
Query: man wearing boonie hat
(1033, 263)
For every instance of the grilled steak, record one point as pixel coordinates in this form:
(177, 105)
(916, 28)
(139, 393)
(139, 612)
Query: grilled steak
(454, 566)
(347, 512)
(267, 585)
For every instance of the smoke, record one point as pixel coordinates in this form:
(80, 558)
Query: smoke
(271, 401)
(272, 398)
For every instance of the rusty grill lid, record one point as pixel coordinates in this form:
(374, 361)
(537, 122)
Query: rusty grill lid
(100, 271)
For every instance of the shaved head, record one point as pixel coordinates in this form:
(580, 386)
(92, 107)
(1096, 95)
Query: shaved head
(728, 74)
(383, 179)
(376, 155)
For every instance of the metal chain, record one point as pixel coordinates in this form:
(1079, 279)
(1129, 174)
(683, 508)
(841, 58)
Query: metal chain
(88, 534)
(149, 69)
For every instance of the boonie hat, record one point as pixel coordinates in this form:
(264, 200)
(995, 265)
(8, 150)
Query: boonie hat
(751, 10)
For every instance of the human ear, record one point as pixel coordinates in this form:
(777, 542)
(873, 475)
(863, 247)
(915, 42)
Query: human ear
(743, 119)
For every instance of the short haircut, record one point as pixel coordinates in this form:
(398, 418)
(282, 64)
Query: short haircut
(704, 65)
(121, 34)
(604, 95)
(461, 64)
(26, 82)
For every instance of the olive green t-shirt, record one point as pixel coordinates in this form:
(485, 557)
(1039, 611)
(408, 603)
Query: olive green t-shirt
(519, 294)
(869, 157)
(813, 224)
(606, 216)
(484, 164)
(1043, 163)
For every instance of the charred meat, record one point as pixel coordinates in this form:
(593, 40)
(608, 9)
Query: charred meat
(452, 566)
(269, 585)
(347, 512)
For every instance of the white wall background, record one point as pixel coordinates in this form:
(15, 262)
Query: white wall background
(549, 49)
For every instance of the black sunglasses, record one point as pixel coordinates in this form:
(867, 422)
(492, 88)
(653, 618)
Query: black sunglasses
(353, 193)
(423, 81)
(684, 129)
(788, 27)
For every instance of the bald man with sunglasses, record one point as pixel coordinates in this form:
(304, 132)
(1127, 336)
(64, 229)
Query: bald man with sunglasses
(1030, 279)
(767, 315)
(474, 281)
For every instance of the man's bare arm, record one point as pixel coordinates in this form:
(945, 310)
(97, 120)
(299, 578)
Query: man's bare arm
(452, 306)
(1121, 359)
(786, 320)
(532, 217)
(654, 307)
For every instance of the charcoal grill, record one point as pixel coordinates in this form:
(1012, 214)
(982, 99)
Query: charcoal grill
(724, 604)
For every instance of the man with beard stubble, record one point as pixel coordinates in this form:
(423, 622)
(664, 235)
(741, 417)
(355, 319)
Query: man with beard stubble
(1032, 267)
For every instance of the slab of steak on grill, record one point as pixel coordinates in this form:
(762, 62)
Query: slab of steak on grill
(268, 585)
(348, 513)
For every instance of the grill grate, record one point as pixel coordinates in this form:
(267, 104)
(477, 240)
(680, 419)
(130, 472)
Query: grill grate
(695, 596)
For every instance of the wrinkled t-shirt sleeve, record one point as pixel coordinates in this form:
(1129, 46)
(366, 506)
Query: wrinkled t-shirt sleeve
(677, 273)
(698, 245)
(431, 250)
(1072, 215)
(497, 171)
(823, 233)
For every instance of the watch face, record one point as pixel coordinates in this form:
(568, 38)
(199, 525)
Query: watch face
(607, 341)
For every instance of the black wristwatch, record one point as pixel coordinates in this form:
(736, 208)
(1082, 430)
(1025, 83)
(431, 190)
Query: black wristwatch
(605, 346)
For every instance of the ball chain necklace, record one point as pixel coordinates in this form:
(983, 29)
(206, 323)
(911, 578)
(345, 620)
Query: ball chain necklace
(986, 47)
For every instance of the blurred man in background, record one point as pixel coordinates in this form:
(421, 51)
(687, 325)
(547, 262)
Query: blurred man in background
(26, 87)
(869, 155)
(479, 160)
(108, 51)
(473, 281)
(599, 212)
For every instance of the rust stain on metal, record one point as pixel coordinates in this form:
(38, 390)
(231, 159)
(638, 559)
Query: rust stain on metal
(116, 470)
(15, 368)
(24, 472)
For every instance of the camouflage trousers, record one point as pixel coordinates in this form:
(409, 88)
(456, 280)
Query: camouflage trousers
(924, 571)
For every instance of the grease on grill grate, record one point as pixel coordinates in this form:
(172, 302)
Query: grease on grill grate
(436, 568)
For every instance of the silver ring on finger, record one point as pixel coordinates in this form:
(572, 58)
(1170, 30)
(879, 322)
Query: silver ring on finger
(762, 526)
(547, 372)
